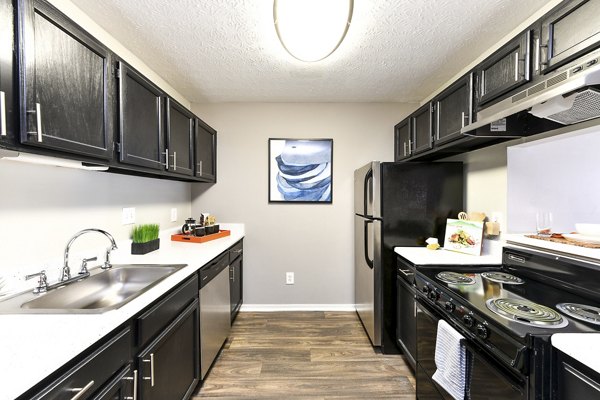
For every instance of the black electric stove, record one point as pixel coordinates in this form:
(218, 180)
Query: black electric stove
(507, 314)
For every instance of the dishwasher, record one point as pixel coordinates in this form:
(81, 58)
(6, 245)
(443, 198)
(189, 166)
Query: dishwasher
(215, 310)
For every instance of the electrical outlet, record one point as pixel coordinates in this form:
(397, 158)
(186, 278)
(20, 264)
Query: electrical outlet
(128, 216)
(173, 215)
(289, 278)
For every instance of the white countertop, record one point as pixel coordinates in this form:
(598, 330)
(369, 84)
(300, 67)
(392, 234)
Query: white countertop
(32, 346)
(592, 255)
(581, 346)
(423, 256)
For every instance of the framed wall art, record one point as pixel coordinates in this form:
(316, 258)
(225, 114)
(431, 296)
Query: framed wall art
(300, 170)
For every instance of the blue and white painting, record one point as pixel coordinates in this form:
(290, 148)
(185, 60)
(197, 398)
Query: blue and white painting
(300, 170)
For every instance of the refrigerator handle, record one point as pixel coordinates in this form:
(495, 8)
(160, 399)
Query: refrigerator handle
(368, 177)
(366, 244)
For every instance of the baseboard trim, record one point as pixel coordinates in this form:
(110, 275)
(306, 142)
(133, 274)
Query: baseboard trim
(296, 307)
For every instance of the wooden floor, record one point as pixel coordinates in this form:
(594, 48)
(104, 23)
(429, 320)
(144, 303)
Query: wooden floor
(293, 355)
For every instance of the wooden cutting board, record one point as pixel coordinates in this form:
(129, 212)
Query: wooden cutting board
(563, 240)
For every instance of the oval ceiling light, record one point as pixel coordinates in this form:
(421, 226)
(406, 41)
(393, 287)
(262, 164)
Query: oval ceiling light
(311, 30)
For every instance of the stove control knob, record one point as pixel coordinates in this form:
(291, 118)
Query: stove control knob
(449, 306)
(425, 289)
(468, 320)
(433, 295)
(482, 331)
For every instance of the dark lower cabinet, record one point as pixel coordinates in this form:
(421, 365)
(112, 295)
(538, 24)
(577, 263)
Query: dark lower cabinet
(236, 277)
(170, 365)
(65, 84)
(121, 387)
(180, 133)
(7, 115)
(205, 152)
(141, 120)
(406, 329)
(92, 373)
(574, 380)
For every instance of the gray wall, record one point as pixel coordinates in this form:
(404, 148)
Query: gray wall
(314, 241)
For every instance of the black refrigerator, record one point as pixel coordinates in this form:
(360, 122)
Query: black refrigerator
(396, 204)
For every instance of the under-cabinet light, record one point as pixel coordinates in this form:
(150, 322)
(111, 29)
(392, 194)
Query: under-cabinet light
(310, 30)
(9, 155)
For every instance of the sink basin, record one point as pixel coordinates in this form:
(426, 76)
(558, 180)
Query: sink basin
(102, 291)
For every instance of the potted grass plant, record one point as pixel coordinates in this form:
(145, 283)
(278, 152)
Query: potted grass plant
(144, 238)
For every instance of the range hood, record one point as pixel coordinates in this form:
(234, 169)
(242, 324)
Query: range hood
(564, 97)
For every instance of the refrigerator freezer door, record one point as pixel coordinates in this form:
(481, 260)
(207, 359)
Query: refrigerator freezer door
(367, 275)
(367, 190)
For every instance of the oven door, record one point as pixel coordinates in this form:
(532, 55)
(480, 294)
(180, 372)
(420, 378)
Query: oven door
(488, 380)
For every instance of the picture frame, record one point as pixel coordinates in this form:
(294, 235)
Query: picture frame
(300, 170)
(464, 236)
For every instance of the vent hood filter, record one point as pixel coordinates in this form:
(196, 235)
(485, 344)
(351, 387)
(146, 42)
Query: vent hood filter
(578, 107)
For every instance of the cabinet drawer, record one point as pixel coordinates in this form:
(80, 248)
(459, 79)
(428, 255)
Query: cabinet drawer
(91, 373)
(157, 317)
(236, 250)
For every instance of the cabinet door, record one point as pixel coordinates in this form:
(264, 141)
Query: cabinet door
(507, 69)
(421, 124)
(140, 120)
(406, 329)
(64, 84)
(575, 381)
(402, 140)
(121, 387)
(205, 153)
(170, 366)
(453, 110)
(569, 32)
(180, 129)
(235, 285)
(7, 116)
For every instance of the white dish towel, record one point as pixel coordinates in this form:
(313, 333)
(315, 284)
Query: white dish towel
(451, 361)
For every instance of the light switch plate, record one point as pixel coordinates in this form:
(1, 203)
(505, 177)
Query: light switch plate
(173, 215)
(128, 216)
(289, 278)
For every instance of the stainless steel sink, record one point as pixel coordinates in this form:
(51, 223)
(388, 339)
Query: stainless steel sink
(102, 291)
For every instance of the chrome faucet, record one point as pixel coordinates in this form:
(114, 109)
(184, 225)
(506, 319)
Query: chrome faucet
(66, 271)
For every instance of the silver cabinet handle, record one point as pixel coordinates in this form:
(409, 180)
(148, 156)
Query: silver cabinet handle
(409, 147)
(81, 391)
(537, 54)
(463, 117)
(415, 309)
(135, 383)
(174, 161)
(232, 273)
(2, 114)
(151, 378)
(404, 144)
(199, 172)
(166, 153)
(516, 66)
(38, 120)
(437, 120)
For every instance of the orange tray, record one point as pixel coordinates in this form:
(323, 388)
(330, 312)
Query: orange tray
(180, 237)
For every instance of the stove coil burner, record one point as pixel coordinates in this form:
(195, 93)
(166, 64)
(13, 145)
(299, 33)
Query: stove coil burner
(526, 312)
(581, 311)
(502, 277)
(455, 278)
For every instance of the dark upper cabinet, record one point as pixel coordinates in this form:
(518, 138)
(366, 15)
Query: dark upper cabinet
(65, 83)
(422, 125)
(7, 116)
(453, 110)
(205, 152)
(402, 140)
(569, 32)
(180, 133)
(170, 365)
(505, 70)
(141, 121)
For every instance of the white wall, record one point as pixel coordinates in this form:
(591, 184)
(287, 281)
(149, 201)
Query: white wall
(41, 207)
(314, 241)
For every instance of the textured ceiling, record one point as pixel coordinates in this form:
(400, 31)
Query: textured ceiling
(228, 51)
